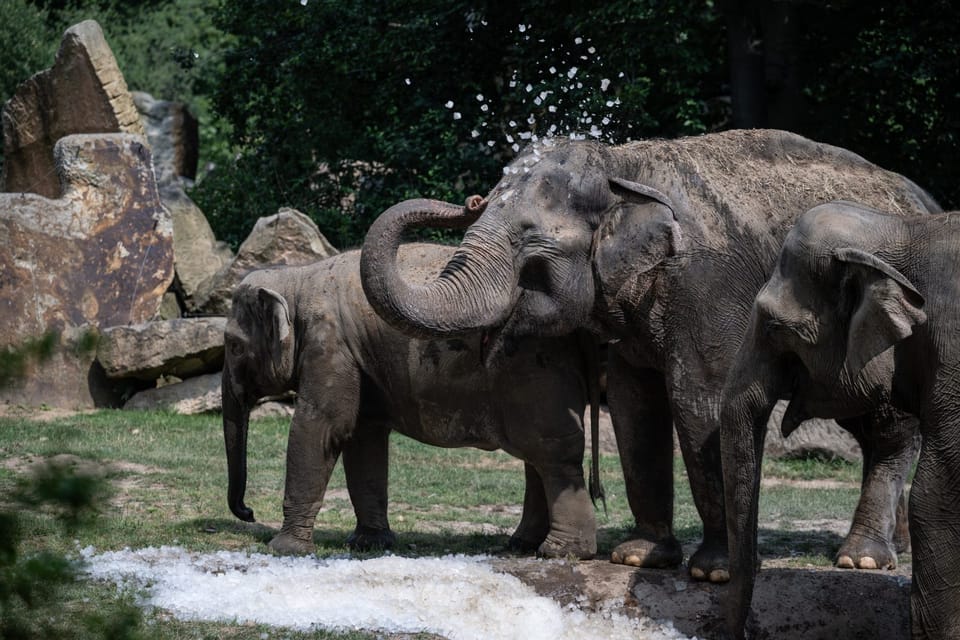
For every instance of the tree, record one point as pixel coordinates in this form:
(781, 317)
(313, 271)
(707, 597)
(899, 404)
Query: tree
(341, 109)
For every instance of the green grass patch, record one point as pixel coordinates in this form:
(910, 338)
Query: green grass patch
(167, 478)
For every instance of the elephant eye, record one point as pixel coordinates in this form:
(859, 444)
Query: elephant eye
(774, 327)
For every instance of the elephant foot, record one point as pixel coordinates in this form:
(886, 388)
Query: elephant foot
(287, 544)
(518, 544)
(371, 539)
(582, 549)
(710, 563)
(863, 553)
(664, 553)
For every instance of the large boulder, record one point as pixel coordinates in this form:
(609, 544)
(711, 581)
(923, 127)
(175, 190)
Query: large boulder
(200, 394)
(182, 347)
(197, 254)
(101, 254)
(286, 238)
(84, 92)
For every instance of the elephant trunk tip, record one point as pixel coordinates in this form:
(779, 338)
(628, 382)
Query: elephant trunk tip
(243, 512)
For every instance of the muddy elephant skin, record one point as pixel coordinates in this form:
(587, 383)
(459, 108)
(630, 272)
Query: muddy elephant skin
(311, 330)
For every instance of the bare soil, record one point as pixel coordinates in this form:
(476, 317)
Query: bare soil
(789, 603)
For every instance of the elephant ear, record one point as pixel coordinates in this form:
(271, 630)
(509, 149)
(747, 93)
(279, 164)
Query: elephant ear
(275, 316)
(637, 235)
(886, 310)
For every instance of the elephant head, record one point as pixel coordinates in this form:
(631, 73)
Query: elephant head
(258, 361)
(565, 230)
(821, 334)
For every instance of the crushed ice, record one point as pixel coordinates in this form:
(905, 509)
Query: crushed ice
(458, 597)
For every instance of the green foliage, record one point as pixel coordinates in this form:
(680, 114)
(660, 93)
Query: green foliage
(342, 109)
(24, 34)
(34, 585)
(884, 82)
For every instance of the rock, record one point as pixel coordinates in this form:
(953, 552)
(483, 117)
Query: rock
(272, 409)
(83, 92)
(173, 134)
(169, 307)
(813, 438)
(198, 256)
(200, 394)
(181, 347)
(100, 255)
(287, 237)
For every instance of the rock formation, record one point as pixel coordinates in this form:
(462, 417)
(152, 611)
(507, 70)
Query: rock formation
(99, 255)
(84, 92)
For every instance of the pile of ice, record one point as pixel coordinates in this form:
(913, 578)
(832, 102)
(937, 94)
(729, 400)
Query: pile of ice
(454, 596)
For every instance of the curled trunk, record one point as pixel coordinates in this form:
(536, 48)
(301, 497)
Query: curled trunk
(474, 291)
(236, 419)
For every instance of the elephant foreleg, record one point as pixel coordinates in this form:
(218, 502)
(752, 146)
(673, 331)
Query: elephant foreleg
(887, 441)
(535, 521)
(643, 424)
(310, 461)
(935, 528)
(365, 464)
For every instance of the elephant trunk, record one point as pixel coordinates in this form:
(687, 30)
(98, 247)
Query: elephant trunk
(474, 291)
(236, 419)
(748, 400)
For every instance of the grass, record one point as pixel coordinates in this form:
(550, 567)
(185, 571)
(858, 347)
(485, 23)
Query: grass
(168, 474)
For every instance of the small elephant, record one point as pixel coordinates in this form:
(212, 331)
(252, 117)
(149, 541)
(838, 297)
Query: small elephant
(862, 310)
(660, 245)
(310, 329)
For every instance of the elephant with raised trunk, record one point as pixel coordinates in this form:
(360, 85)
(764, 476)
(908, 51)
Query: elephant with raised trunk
(660, 246)
(311, 330)
(861, 311)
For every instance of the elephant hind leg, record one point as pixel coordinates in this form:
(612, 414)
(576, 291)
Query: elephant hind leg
(365, 464)
(535, 520)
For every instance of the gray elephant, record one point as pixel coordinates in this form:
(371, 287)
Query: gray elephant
(862, 310)
(310, 329)
(660, 245)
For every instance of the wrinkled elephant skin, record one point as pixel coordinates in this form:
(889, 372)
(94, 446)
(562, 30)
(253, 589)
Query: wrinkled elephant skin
(661, 246)
(311, 330)
(861, 311)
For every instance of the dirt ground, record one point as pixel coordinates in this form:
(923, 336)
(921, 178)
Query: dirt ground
(789, 603)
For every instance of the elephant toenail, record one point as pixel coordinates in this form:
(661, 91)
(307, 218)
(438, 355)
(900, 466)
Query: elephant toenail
(868, 563)
(845, 562)
(719, 575)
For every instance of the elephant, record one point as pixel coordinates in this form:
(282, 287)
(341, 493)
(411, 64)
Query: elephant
(310, 329)
(861, 310)
(658, 246)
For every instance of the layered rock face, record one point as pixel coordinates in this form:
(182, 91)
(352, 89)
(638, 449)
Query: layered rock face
(100, 254)
(83, 92)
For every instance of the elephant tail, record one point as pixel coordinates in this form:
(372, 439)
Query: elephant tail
(591, 351)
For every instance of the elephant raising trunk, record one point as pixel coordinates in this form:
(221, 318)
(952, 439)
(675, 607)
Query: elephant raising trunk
(475, 291)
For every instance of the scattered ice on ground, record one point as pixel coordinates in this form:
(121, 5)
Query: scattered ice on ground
(458, 597)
